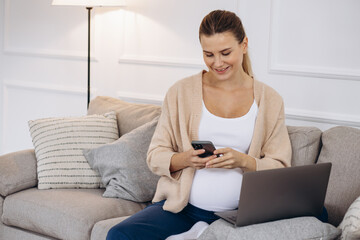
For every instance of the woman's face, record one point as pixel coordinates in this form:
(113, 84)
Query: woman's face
(223, 55)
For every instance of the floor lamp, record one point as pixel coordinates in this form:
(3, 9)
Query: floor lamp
(89, 4)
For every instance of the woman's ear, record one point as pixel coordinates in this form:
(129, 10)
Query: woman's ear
(245, 44)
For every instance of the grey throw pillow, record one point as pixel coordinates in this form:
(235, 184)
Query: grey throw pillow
(294, 228)
(122, 165)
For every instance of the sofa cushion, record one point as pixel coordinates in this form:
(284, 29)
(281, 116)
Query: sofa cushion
(129, 115)
(63, 213)
(305, 143)
(13, 233)
(17, 171)
(122, 165)
(101, 228)
(341, 147)
(350, 225)
(294, 228)
(58, 146)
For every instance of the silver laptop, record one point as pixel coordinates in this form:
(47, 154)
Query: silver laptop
(276, 194)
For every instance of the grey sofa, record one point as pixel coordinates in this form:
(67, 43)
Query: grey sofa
(79, 214)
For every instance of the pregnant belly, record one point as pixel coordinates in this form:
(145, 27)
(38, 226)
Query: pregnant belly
(216, 189)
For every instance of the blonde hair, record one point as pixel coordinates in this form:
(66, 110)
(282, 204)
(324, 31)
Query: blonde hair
(220, 21)
(246, 64)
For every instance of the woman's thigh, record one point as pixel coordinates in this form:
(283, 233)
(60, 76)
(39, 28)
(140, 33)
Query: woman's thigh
(151, 223)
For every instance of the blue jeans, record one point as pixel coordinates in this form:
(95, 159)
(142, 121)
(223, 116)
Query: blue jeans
(155, 223)
(324, 217)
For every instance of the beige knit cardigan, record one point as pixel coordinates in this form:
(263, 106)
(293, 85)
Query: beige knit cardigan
(178, 126)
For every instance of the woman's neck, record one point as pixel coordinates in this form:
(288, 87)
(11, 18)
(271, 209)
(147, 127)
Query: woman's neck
(240, 80)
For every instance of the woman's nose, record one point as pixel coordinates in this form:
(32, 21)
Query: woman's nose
(218, 61)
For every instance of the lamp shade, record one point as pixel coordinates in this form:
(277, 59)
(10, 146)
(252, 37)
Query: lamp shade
(90, 3)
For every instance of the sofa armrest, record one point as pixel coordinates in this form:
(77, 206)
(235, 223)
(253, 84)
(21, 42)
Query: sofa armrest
(17, 171)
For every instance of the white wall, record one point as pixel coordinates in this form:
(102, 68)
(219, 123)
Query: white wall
(307, 50)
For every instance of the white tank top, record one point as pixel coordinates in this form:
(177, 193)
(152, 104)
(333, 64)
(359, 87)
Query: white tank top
(218, 189)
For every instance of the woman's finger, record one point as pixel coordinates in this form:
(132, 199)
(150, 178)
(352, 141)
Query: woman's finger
(217, 160)
(224, 164)
(222, 151)
(198, 152)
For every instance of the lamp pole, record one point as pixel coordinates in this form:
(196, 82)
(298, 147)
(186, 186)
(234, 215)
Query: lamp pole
(88, 70)
(89, 4)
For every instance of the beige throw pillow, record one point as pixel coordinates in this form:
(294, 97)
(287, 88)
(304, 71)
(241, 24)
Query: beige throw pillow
(59, 143)
(129, 115)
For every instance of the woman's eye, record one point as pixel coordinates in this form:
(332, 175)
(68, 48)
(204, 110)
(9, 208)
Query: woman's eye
(226, 54)
(209, 55)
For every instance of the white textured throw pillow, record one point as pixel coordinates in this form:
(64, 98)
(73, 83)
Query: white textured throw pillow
(350, 225)
(59, 143)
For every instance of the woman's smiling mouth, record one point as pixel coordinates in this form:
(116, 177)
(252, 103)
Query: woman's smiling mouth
(221, 70)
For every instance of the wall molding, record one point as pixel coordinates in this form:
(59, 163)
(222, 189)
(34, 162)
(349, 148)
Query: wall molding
(47, 53)
(161, 61)
(43, 87)
(66, 55)
(306, 71)
(157, 61)
(323, 117)
(140, 98)
(290, 113)
(276, 67)
(7, 85)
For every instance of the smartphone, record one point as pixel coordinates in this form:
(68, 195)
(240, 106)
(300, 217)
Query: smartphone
(207, 145)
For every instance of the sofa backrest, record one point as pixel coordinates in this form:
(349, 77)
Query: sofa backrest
(341, 147)
(129, 115)
(305, 143)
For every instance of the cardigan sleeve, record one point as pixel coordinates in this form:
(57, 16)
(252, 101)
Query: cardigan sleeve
(162, 146)
(276, 150)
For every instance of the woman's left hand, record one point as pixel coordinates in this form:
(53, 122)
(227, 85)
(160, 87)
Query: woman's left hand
(230, 158)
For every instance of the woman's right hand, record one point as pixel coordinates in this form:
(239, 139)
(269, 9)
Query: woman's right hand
(197, 162)
(189, 158)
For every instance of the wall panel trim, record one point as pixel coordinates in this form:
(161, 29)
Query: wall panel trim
(140, 98)
(48, 53)
(323, 117)
(161, 61)
(276, 67)
(44, 87)
(30, 86)
(291, 114)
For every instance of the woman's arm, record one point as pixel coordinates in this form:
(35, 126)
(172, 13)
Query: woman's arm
(276, 151)
(165, 158)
